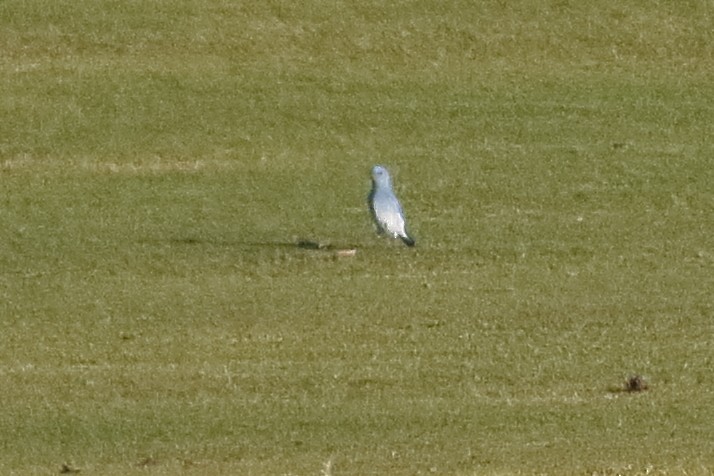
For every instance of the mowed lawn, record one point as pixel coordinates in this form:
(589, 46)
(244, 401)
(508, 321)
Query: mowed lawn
(161, 160)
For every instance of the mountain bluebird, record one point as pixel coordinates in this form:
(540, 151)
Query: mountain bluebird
(386, 210)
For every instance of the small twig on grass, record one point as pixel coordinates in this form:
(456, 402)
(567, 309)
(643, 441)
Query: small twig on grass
(327, 468)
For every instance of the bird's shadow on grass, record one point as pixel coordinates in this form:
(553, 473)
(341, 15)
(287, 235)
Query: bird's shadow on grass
(301, 244)
(193, 241)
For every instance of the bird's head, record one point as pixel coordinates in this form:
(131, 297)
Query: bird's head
(380, 176)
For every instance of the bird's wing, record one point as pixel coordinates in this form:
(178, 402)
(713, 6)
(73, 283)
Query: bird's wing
(389, 213)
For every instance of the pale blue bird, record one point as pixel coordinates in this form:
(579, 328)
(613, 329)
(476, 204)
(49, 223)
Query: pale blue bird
(386, 210)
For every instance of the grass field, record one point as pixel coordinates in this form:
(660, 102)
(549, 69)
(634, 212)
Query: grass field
(159, 161)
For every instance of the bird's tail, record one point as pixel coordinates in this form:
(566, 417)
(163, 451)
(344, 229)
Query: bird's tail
(408, 240)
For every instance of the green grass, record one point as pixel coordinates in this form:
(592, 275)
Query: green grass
(160, 160)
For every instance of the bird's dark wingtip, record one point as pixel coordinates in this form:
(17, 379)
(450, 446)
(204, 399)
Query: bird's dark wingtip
(409, 241)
